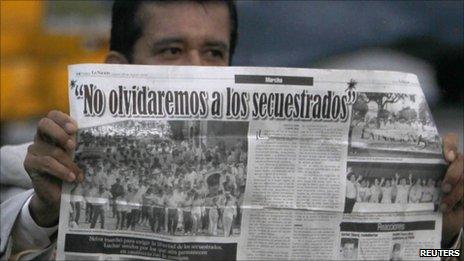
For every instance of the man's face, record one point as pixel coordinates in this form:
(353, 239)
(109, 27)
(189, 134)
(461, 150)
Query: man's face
(183, 33)
(348, 251)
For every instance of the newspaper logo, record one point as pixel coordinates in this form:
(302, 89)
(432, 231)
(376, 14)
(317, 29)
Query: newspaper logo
(439, 253)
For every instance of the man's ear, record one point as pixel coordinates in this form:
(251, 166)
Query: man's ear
(116, 58)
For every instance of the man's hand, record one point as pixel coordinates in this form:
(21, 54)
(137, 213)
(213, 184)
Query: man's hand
(452, 186)
(48, 162)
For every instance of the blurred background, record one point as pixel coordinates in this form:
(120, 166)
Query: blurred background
(40, 38)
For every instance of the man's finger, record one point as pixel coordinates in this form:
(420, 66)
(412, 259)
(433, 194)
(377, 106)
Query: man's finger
(49, 130)
(43, 165)
(454, 174)
(64, 121)
(41, 148)
(450, 143)
(452, 198)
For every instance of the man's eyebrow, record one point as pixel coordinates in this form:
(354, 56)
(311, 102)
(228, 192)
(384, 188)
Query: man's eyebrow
(167, 41)
(219, 44)
(179, 40)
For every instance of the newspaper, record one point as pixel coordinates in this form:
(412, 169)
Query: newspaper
(225, 163)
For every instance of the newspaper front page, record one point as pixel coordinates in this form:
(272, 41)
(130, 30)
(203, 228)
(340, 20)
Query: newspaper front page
(226, 163)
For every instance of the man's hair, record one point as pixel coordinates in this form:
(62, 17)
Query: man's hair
(127, 27)
(347, 240)
(397, 247)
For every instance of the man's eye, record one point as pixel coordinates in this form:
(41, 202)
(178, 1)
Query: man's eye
(215, 54)
(170, 51)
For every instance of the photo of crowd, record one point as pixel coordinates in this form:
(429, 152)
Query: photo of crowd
(391, 184)
(177, 178)
(392, 124)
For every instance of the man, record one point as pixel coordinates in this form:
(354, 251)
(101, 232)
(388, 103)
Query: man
(386, 191)
(148, 202)
(213, 214)
(186, 207)
(396, 253)
(101, 200)
(352, 184)
(122, 209)
(375, 192)
(349, 249)
(363, 192)
(76, 200)
(172, 203)
(415, 193)
(402, 189)
(429, 190)
(161, 32)
(134, 200)
(117, 190)
(229, 213)
(159, 210)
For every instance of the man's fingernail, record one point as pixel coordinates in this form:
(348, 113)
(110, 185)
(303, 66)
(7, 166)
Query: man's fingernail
(70, 144)
(446, 187)
(71, 177)
(451, 155)
(443, 207)
(70, 128)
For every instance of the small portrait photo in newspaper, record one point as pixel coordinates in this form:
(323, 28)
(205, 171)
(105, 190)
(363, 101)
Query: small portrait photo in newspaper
(395, 125)
(174, 178)
(349, 248)
(396, 254)
(392, 187)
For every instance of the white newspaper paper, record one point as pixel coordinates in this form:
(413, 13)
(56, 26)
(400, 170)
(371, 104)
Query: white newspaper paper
(225, 163)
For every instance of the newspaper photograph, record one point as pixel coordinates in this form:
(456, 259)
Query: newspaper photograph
(393, 125)
(393, 187)
(190, 183)
(248, 163)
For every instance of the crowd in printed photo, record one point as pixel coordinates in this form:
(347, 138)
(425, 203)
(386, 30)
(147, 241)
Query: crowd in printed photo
(386, 122)
(174, 178)
(391, 183)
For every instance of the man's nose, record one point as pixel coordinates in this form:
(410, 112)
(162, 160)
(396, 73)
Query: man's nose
(194, 58)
